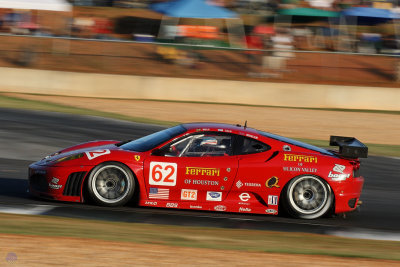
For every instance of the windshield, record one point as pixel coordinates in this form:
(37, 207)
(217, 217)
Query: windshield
(296, 143)
(151, 141)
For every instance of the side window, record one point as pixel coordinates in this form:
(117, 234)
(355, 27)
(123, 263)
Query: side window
(251, 146)
(201, 145)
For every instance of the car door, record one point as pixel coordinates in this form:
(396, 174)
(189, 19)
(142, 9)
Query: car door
(199, 167)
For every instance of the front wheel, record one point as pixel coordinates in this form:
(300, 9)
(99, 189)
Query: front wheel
(308, 197)
(111, 184)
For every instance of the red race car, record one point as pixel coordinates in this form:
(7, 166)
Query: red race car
(207, 166)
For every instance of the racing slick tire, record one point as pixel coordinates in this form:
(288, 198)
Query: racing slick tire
(111, 184)
(308, 197)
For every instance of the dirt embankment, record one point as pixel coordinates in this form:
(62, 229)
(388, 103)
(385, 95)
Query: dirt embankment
(20, 250)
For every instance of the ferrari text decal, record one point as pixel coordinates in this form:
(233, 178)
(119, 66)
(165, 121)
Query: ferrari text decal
(188, 194)
(162, 173)
(300, 158)
(97, 153)
(202, 171)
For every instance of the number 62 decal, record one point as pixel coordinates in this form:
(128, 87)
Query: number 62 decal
(162, 173)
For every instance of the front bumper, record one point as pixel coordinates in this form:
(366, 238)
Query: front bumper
(347, 194)
(57, 183)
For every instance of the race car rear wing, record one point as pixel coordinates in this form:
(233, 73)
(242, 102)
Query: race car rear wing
(349, 147)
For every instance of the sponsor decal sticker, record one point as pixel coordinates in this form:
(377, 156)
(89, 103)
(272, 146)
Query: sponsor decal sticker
(137, 157)
(202, 171)
(271, 211)
(239, 184)
(340, 176)
(220, 208)
(196, 207)
(272, 182)
(241, 209)
(252, 136)
(97, 153)
(171, 205)
(244, 197)
(272, 200)
(152, 203)
(300, 158)
(201, 182)
(214, 196)
(300, 169)
(339, 168)
(188, 194)
(252, 184)
(54, 183)
(162, 173)
(158, 193)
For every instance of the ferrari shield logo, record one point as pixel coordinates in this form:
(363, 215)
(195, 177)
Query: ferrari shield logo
(137, 157)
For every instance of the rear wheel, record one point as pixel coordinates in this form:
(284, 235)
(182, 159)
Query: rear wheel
(111, 184)
(308, 197)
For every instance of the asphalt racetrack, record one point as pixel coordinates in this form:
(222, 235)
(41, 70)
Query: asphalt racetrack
(27, 136)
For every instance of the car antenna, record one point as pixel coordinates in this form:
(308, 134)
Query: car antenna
(245, 125)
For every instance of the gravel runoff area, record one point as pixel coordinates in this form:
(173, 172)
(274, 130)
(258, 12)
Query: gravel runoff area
(19, 250)
(375, 128)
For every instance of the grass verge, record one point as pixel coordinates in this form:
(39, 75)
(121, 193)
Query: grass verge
(201, 237)
(14, 102)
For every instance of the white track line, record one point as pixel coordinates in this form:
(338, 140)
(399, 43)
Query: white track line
(367, 234)
(26, 210)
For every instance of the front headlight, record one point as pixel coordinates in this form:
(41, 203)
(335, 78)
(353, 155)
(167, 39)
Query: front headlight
(76, 156)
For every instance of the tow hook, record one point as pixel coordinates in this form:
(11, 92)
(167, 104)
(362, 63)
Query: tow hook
(359, 203)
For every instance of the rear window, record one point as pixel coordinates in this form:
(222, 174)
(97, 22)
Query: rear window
(296, 143)
(251, 146)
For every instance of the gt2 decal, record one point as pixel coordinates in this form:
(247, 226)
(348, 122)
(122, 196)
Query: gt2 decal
(97, 153)
(189, 194)
(162, 173)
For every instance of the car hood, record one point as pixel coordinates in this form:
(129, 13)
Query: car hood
(90, 150)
